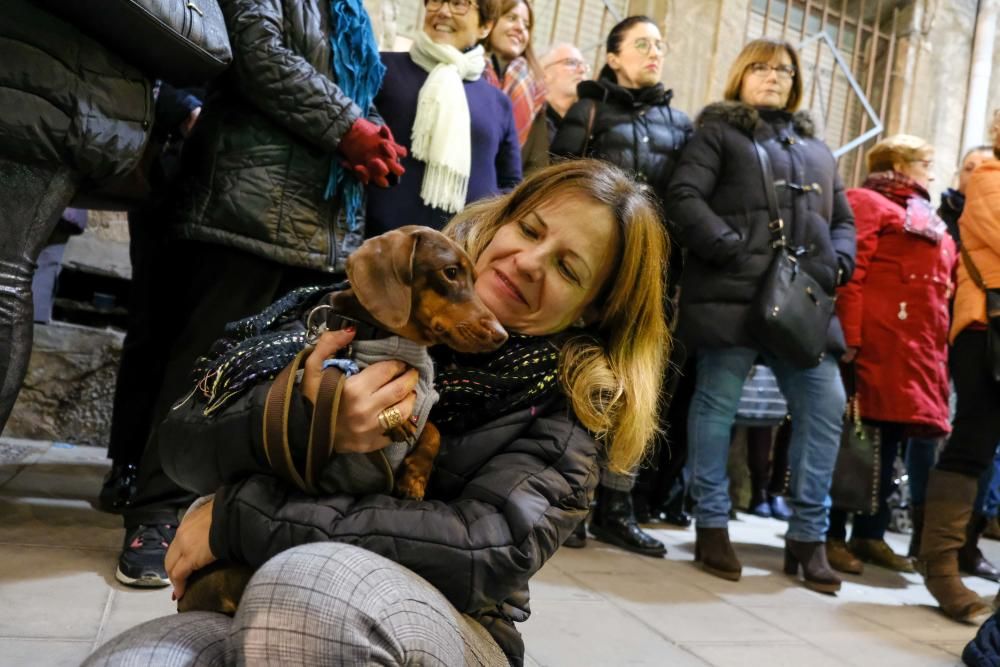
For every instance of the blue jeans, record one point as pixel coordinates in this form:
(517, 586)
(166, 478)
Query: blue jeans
(921, 455)
(988, 498)
(816, 403)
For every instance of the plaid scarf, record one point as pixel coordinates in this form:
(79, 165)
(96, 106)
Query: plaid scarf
(921, 218)
(526, 93)
(476, 388)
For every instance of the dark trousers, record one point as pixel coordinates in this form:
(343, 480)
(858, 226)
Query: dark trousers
(768, 475)
(976, 427)
(211, 286)
(32, 197)
(873, 526)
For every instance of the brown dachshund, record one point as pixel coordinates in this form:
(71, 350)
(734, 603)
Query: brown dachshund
(413, 282)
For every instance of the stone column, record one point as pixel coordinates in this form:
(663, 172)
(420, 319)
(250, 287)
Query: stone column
(384, 16)
(981, 71)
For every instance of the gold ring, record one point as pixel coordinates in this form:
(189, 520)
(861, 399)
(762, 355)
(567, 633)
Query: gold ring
(390, 418)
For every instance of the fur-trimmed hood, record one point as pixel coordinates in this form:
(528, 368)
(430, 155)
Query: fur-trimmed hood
(745, 117)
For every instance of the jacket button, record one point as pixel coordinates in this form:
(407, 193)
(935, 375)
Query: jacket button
(913, 276)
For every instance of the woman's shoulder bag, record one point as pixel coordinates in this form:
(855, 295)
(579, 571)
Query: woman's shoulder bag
(791, 312)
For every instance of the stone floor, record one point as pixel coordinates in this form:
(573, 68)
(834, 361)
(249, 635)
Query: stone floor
(596, 606)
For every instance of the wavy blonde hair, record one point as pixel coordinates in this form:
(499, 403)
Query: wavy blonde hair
(612, 372)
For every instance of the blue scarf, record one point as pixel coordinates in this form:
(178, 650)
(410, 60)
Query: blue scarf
(358, 70)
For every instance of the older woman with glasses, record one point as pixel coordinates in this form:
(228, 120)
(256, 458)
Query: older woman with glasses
(718, 201)
(458, 128)
(897, 300)
(625, 117)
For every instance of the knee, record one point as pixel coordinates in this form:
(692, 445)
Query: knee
(193, 639)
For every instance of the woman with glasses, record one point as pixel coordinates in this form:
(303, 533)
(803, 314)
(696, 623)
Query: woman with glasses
(718, 202)
(513, 68)
(625, 117)
(459, 129)
(894, 312)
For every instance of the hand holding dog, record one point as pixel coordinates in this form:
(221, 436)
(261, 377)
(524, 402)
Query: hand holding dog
(382, 385)
(190, 549)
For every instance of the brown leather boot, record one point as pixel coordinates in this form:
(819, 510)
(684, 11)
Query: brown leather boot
(714, 551)
(879, 553)
(946, 515)
(816, 570)
(970, 559)
(917, 516)
(841, 558)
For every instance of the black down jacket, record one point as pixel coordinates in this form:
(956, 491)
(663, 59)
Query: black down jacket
(635, 129)
(502, 498)
(256, 166)
(65, 99)
(719, 208)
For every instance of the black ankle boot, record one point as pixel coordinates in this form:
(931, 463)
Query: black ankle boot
(578, 538)
(970, 559)
(614, 523)
(118, 488)
(816, 571)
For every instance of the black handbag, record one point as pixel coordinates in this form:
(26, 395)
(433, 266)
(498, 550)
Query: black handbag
(791, 312)
(992, 316)
(179, 41)
(858, 471)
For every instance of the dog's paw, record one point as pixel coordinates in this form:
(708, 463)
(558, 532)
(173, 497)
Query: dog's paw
(411, 486)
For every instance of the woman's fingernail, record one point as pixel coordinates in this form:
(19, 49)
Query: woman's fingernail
(414, 419)
(350, 329)
(173, 596)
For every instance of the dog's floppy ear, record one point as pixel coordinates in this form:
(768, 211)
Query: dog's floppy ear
(381, 275)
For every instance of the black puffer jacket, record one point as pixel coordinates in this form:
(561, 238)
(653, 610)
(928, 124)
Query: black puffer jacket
(636, 130)
(257, 163)
(502, 498)
(718, 205)
(65, 99)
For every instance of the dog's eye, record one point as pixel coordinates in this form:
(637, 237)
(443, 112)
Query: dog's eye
(451, 273)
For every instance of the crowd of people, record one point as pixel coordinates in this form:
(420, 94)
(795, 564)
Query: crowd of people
(628, 252)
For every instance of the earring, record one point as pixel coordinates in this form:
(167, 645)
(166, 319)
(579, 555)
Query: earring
(580, 324)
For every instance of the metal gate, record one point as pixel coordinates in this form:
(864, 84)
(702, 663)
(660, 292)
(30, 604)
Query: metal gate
(863, 32)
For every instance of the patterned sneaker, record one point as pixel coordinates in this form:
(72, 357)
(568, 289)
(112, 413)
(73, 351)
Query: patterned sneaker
(141, 561)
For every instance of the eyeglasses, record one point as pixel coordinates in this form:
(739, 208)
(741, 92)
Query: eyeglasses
(571, 63)
(643, 45)
(458, 7)
(784, 72)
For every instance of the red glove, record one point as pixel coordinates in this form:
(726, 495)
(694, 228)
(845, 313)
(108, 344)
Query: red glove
(371, 153)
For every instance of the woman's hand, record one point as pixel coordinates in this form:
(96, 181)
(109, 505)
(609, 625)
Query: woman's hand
(383, 385)
(190, 550)
(850, 355)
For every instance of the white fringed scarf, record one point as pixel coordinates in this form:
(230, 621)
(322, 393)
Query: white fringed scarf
(442, 131)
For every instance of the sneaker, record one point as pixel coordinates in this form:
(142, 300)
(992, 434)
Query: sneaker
(141, 562)
(118, 488)
(780, 509)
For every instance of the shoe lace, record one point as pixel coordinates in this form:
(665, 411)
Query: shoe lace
(153, 535)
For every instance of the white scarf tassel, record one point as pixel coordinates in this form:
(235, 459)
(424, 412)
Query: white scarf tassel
(442, 130)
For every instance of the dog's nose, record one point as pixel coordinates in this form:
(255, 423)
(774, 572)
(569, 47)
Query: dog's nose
(497, 334)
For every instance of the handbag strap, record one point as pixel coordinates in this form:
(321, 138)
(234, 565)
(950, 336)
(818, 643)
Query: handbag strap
(776, 225)
(590, 128)
(971, 268)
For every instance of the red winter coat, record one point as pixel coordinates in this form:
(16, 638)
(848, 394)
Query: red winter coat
(895, 310)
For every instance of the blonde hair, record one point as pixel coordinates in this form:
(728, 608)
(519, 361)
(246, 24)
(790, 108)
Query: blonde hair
(898, 148)
(762, 51)
(612, 372)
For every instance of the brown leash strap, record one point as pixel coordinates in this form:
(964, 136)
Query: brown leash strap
(276, 407)
(324, 425)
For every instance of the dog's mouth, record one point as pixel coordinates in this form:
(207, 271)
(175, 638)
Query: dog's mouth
(476, 337)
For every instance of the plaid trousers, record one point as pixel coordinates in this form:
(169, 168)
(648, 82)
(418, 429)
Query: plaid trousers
(317, 604)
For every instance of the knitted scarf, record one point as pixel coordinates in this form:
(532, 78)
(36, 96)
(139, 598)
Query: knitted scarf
(477, 388)
(358, 70)
(921, 218)
(526, 93)
(442, 130)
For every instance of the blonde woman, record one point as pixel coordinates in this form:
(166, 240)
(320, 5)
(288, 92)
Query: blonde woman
(719, 205)
(571, 263)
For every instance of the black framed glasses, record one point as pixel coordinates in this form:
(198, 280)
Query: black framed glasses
(571, 63)
(458, 7)
(784, 72)
(644, 46)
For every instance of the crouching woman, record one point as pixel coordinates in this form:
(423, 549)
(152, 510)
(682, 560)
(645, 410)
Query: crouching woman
(571, 262)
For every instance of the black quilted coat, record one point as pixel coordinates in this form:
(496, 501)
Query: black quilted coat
(718, 205)
(65, 99)
(256, 166)
(502, 498)
(636, 130)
